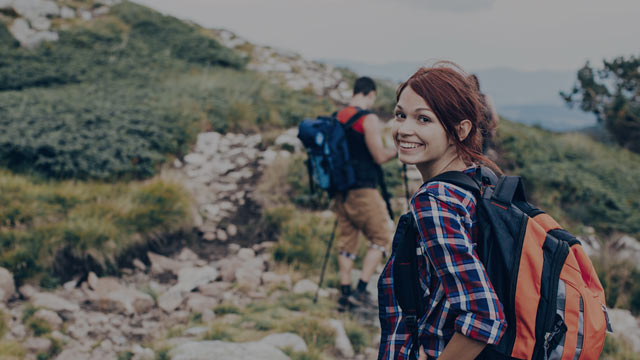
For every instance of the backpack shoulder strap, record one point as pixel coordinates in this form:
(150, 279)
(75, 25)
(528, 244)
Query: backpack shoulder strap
(509, 189)
(352, 120)
(460, 179)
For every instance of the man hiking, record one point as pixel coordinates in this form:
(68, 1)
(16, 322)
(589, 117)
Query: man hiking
(362, 208)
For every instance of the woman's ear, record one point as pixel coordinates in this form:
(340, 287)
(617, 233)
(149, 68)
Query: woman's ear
(464, 128)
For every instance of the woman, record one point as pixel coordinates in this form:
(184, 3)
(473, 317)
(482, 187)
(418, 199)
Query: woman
(436, 128)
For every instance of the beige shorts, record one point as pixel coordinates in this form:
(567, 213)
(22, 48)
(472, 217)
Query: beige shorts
(363, 210)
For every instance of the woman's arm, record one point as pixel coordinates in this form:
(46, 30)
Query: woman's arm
(444, 224)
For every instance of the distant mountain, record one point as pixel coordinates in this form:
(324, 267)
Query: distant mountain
(530, 97)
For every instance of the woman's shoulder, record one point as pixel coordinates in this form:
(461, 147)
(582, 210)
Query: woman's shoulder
(444, 193)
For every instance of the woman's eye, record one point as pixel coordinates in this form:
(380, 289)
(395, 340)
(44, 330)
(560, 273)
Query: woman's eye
(399, 115)
(424, 119)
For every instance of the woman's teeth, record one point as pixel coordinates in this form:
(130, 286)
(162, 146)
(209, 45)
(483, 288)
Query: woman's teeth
(408, 145)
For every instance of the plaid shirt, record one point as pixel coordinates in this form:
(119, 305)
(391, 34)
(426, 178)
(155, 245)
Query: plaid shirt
(455, 285)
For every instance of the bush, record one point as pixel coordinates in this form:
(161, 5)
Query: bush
(574, 178)
(90, 220)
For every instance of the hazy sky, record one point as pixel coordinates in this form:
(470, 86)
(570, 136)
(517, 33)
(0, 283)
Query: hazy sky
(523, 34)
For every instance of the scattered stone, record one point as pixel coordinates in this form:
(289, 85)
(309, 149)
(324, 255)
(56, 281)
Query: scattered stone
(209, 236)
(161, 264)
(142, 353)
(70, 285)
(343, 345)
(234, 248)
(205, 350)
(199, 303)
(208, 316)
(215, 290)
(41, 24)
(286, 340)
(27, 291)
(138, 264)
(179, 317)
(246, 254)
(85, 15)
(19, 331)
(270, 278)
(49, 317)
(102, 10)
(188, 255)
(7, 286)
(248, 277)
(170, 300)
(37, 345)
(232, 230)
(305, 286)
(221, 235)
(67, 13)
(195, 159)
(53, 302)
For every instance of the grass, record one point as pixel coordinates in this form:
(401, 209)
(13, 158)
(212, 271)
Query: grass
(93, 221)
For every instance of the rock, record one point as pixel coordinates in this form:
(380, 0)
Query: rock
(37, 345)
(74, 353)
(40, 37)
(289, 138)
(284, 340)
(222, 350)
(343, 345)
(248, 277)
(53, 302)
(188, 279)
(195, 159)
(221, 235)
(233, 248)
(211, 211)
(32, 9)
(215, 290)
(246, 254)
(85, 15)
(196, 331)
(138, 264)
(161, 264)
(305, 286)
(142, 353)
(19, 331)
(625, 326)
(21, 30)
(208, 316)
(627, 248)
(200, 303)
(232, 230)
(7, 286)
(79, 330)
(27, 291)
(49, 317)
(209, 236)
(208, 142)
(67, 13)
(41, 23)
(70, 285)
(188, 255)
(170, 300)
(179, 317)
(268, 157)
(110, 296)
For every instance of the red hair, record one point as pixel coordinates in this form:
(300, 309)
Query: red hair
(452, 97)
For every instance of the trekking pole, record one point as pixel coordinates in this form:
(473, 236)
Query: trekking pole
(406, 185)
(326, 259)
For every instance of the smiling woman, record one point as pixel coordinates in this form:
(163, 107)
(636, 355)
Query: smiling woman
(437, 117)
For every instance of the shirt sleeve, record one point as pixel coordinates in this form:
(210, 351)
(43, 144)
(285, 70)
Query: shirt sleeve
(444, 225)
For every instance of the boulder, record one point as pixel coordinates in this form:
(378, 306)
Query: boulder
(188, 255)
(215, 290)
(286, 340)
(110, 296)
(248, 277)
(49, 317)
(188, 279)
(246, 254)
(305, 286)
(170, 300)
(161, 264)
(142, 353)
(343, 345)
(53, 302)
(67, 13)
(200, 303)
(228, 268)
(222, 350)
(37, 345)
(32, 9)
(7, 286)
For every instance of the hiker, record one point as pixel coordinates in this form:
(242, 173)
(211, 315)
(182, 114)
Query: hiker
(436, 128)
(362, 208)
(489, 122)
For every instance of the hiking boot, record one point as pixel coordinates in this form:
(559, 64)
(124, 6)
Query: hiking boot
(363, 300)
(346, 303)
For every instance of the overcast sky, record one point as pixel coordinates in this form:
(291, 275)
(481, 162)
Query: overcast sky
(478, 34)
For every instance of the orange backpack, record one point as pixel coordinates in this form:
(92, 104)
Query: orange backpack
(552, 298)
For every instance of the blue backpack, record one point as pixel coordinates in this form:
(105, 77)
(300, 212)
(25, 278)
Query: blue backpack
(329, 163)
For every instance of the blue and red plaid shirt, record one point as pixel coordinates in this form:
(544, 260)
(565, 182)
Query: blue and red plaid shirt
(455, 285)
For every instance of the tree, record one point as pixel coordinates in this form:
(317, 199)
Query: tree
(613, 95)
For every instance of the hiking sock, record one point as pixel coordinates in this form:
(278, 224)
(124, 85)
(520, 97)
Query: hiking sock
(362, 286)
(345, 290)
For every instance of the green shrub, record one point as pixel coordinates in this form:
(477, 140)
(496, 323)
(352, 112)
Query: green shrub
(218, 332)
(39, 327)
(90, 220)
(575, 178)
(315, 333)
(358, 336)
(225, 308)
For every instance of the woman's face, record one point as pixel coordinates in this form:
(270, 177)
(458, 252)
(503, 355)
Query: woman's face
(417, 132)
